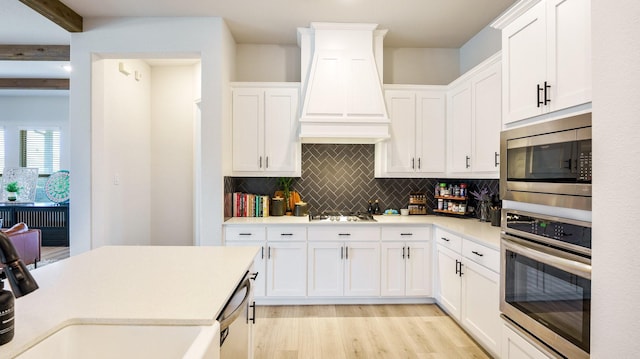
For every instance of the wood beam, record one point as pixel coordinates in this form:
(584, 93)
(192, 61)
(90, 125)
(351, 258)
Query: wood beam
(57, 12)
(34, 84)
(35, 52)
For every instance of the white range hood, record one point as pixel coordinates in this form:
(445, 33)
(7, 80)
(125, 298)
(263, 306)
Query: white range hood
(341, 69)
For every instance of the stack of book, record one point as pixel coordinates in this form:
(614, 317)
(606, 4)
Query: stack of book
(250, 205)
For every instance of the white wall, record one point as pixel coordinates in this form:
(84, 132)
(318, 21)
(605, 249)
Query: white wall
(479, 48)
(615, 325)
(26, 111)
(207, 38)
(420, 66)
(265, 63)
(172, 160)
(279, 63)
(123, 170)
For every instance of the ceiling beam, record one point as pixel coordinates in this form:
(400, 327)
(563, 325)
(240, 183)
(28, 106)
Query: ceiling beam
(34, 84)
(34, 52)
(57, 12)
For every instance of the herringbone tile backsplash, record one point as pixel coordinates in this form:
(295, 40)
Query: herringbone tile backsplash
(341, 177)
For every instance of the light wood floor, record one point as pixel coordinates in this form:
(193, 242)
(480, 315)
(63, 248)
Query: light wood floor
(53, 253)
(360, 331)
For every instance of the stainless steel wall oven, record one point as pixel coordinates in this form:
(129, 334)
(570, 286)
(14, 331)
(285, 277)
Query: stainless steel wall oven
(548, 163)
(546, 279)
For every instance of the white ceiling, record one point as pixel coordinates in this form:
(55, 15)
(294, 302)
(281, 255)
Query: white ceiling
(411, 23)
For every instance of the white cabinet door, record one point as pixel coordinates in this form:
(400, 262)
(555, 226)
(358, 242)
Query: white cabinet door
(392, 270)
(480, 305)
(418, 269)
(547, 59)
(448, 281)
(417, 143)
(362, 269)
(280, 136)
(344, 268)
(406, 262)
(460, 119)
(524, 66)
(326, 269)
(286, 263)
(264, 127)
(401, 148)
(487, 119)
(569, 52)
(248, 129)
(514, 346)
(430, 132)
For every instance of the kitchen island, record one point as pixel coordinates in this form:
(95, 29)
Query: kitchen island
(137, 285)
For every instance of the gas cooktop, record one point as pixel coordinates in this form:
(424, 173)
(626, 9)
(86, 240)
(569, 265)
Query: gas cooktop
(341, 217)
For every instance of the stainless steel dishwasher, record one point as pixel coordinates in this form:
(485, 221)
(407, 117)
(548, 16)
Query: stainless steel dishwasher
(235, 326)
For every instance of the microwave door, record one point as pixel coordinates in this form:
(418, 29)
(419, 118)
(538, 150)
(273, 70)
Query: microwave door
(553, 161)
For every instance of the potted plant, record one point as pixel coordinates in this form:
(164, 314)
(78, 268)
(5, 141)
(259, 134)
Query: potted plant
(285, 186)
(12, 190)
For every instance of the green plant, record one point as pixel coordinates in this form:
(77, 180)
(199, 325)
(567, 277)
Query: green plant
(285, 186)
(13, 187)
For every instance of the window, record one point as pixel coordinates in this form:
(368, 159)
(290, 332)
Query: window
(1, 148)
(41, 149)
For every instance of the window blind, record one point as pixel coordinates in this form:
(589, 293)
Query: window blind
(41, 149)
(1, 148)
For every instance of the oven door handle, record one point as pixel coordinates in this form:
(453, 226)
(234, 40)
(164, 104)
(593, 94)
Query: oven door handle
(540, 253)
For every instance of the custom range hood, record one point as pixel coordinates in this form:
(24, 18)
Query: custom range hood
(341, 77)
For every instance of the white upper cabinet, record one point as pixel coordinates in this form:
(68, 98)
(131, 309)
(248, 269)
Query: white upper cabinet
(265, 141)
(474, 121)
(547, 59)
(417, 144)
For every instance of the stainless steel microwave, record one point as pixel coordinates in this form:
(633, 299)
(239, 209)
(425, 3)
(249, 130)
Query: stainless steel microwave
(548, 163)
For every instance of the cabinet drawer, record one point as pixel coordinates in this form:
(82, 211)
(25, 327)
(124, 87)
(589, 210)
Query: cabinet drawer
(481, 254)
(406, 233)
(344, 233)
(448, 240)
(244, 233)
(278, 233)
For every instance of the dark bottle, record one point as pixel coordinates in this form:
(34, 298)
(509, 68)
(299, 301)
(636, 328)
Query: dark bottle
(376, 207)
(6, 314)
(370, 208)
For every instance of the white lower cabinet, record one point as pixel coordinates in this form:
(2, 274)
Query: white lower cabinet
(282, 260)
(343, 261)
(468, 286)
(515, 346)
(286, 262)
(406, 262)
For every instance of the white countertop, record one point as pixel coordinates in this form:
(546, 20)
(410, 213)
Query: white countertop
(471, 228)
(127, 285)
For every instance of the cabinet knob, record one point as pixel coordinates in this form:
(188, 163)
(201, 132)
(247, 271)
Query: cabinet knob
(467, 158)
(495, 159)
